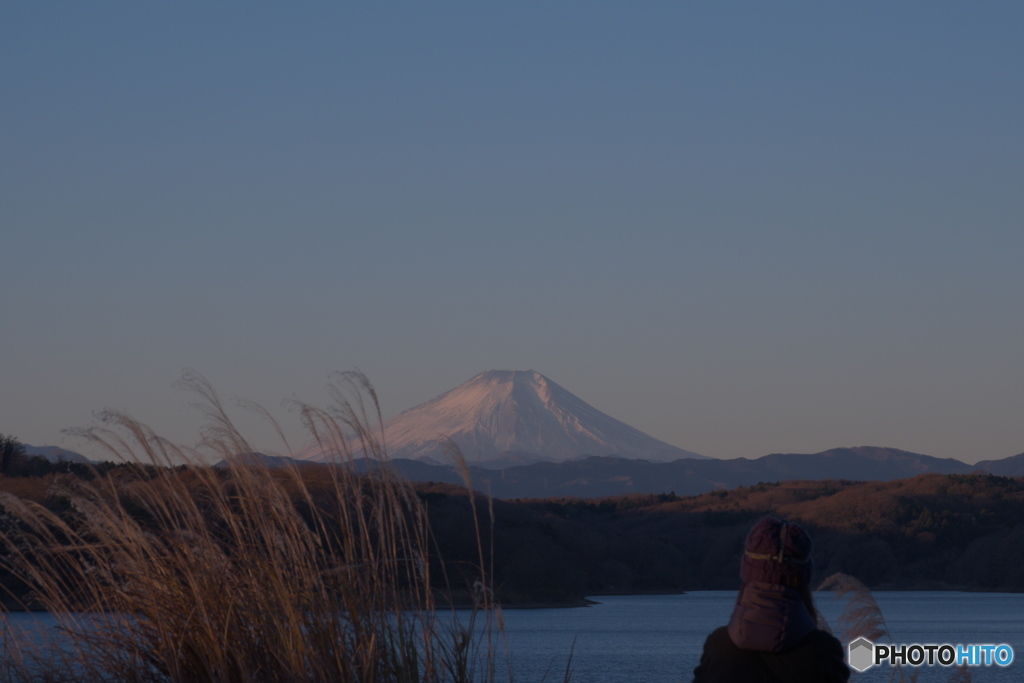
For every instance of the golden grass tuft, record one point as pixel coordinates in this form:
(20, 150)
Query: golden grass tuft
(185, 572)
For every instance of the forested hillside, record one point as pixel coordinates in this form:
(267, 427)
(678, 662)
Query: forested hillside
(928, 532)
(931, 531)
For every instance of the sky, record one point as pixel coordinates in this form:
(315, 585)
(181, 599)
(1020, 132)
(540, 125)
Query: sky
(742, 228)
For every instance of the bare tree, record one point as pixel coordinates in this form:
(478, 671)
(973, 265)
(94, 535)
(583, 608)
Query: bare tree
(10, 448)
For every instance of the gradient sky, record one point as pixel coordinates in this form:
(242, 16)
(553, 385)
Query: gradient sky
(743, 228)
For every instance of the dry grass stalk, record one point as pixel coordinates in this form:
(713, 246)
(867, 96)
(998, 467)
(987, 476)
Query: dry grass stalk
(863, 617)
(482, 594)
(190, 573)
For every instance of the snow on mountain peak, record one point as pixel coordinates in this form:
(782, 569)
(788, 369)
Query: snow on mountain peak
(521, 411)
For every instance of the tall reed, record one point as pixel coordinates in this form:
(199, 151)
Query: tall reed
(861, 616)
(185, 572)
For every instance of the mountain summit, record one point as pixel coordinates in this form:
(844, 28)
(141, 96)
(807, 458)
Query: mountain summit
(509, 416)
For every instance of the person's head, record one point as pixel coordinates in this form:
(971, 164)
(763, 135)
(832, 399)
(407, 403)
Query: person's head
(779, 553)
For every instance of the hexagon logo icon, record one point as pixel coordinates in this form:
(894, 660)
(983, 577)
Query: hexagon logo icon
(861, 654)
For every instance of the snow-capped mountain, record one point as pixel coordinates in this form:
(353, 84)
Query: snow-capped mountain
(519, 416)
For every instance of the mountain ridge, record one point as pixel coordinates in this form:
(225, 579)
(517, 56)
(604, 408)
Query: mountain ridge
(599, 476)
(54, 454)
(513, 414)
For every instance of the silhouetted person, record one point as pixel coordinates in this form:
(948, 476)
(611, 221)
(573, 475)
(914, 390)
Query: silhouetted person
(773, 635)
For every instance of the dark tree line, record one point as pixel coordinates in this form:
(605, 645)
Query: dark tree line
(963, 532)
(10, 450)
(928, 532)
(14, 462)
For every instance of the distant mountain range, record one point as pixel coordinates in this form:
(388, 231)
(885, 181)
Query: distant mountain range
(598, 476)
(524, 436)
(54, 453)
(1007, 467)
(609, 476)
(501, 418)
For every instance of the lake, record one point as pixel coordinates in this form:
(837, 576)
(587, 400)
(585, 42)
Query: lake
(658, 638)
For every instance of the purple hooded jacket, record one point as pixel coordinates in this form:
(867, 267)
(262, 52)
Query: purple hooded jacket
(769, 618)
(772, 636)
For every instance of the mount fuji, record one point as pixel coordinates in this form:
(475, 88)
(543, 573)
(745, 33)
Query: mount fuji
(506, 417)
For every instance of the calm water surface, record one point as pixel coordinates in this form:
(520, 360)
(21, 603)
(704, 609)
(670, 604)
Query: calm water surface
(658, 638)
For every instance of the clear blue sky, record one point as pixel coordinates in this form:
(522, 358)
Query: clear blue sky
(740, 227)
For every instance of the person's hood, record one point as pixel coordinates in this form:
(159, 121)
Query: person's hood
(769, 618)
